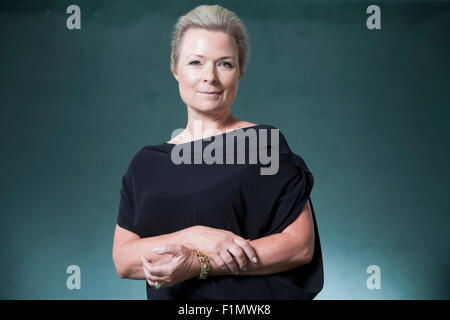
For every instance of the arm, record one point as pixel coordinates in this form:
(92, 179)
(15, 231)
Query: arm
(279, 252)
(128, 248)
(221, 246)
(293, 247)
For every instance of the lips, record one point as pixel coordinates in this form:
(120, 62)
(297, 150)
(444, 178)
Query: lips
(210, 92)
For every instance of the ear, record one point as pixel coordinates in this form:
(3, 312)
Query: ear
(174, 72)
(175, 75)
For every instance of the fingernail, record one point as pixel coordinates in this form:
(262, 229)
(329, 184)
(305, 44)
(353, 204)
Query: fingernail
(157, 249)
(254, 260)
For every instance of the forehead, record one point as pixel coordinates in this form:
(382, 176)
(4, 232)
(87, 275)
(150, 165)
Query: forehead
(207, 43)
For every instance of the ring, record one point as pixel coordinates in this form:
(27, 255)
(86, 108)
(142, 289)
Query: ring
(158, 285)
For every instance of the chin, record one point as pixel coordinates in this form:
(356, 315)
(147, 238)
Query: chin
(208, 106)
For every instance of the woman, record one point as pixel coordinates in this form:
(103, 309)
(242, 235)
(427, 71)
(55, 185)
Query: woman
(216, 231)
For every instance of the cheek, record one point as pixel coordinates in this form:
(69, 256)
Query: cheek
(189, 79)
(230, 80)
(231, 85)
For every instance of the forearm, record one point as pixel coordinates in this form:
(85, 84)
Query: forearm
(276, 253)
(127, 256)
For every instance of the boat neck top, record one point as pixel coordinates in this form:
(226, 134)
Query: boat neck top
(215, 136)
(160, 197)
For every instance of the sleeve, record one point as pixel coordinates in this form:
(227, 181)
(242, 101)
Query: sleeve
(126, 216)
(273, 202)
(295, 182)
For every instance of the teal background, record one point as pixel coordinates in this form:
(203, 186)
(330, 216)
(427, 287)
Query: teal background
(368, 110)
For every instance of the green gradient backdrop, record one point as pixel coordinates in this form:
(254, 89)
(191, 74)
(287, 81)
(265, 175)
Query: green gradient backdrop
(367, 110)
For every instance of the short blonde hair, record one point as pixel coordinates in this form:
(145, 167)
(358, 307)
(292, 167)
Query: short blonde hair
(212, 18)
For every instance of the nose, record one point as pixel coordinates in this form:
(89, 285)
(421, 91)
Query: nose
(209, 74)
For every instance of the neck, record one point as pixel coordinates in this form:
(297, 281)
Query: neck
(202, 125)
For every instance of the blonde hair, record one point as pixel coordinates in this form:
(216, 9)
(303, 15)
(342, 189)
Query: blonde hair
(212, 18)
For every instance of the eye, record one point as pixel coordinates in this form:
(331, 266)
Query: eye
(229, 64)
(193, 62)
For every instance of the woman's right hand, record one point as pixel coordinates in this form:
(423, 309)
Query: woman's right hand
(224, 247)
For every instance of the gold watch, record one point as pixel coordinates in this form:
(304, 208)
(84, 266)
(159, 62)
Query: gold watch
(205, 266)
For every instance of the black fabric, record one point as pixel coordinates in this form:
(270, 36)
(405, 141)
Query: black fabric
(160, 197)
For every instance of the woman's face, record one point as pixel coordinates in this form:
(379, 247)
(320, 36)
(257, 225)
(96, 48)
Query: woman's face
(208, 62)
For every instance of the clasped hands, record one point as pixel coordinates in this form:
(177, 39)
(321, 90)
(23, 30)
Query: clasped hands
(225, 249)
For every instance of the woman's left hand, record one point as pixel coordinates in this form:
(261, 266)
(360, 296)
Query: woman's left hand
(179, 268)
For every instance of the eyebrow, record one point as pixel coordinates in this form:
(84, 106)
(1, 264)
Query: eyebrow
(199, 55)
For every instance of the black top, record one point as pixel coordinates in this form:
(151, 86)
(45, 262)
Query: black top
(160, 197)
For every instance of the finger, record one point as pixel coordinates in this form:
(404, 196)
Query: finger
(239, 256)
(153, 283)
(147, 278)
(152, 277)
(146, 263)
(166, 268)
(228, 259)
(219, 261)
(147, 266)
(173, 249)
(158, 276)
(248, 249)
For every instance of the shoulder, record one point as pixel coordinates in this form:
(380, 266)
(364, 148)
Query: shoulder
(133, 160)
(275, 134)
(141, 157)
(285, 151)
(268, 126)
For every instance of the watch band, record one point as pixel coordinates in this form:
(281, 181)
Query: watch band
(205, 265)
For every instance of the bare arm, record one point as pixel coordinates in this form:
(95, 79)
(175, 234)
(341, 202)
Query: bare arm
(128, 248)
(293, 247)
(279, 252)
(276, 253)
